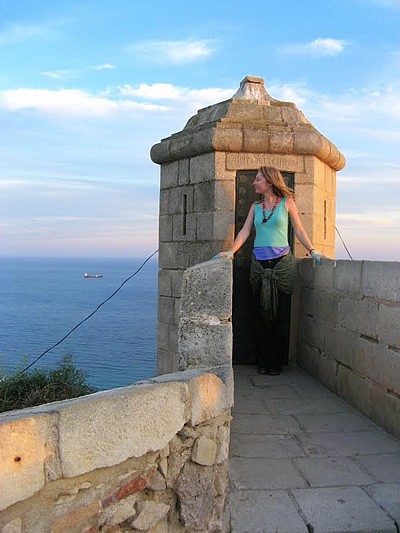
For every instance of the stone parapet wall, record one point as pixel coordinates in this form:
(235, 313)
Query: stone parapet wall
(149, 457)
(348, 334)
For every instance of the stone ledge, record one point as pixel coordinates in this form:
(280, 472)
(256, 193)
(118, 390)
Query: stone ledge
(74, 437)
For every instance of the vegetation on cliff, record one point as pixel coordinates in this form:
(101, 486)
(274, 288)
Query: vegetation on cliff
(43, 385)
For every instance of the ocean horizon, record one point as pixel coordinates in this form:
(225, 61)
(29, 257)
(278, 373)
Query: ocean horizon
(43, 298)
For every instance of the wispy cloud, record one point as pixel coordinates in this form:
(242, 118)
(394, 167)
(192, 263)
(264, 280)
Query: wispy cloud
(56, 74)
(318, 47)
(69, 103)
(19, 32)
(104, 66)
(173, 52)
(192, 99)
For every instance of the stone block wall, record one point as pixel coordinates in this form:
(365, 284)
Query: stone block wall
(348, 334)
(149, 457)
(197, 218)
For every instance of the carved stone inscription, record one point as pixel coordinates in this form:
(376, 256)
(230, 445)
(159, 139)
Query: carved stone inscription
(252, 161)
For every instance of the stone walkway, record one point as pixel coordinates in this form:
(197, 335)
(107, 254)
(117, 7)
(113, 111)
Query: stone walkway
(303, 460)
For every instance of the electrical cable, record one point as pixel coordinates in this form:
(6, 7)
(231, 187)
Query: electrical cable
(89, 316)
(343, 243)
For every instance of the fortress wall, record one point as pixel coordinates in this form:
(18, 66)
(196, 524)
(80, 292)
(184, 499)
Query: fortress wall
(347, 316)
(149, 457)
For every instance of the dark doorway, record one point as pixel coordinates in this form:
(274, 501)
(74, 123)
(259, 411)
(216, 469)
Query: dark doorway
(244, 310)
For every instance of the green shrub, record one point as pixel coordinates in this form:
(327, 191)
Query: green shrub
(38, 386)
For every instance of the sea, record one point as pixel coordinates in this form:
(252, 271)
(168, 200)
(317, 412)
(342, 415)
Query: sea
(43, 299)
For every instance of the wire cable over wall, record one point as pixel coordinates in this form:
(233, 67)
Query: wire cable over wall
(90, 315)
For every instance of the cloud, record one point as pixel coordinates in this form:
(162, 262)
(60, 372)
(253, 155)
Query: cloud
(20, 32)
(56, 74)
(318, 47)
(172, 52)
(104, 66)
(192, 99)
(69, 103)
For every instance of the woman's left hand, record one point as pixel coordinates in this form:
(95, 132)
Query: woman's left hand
(228, 255)
(317, 256)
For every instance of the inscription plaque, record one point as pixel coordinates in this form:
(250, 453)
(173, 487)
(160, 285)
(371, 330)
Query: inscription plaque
(248, 161)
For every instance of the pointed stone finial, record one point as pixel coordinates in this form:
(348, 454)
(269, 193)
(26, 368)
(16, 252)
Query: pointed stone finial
(252, 88)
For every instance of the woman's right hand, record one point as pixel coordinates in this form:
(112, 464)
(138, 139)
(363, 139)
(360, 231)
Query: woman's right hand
(221, 255)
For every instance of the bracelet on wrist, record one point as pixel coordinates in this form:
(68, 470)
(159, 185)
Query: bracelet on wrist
(312, 250)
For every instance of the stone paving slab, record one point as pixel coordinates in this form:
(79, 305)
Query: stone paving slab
(385, 467)
(349, 443)
(250, 474)
(306, 406)
(246, 406)
(303, 460)
(264, 512)
(267, 446)
(269, 424)
(335, 422)
(388, 497)
(332, 471)
(342, 509)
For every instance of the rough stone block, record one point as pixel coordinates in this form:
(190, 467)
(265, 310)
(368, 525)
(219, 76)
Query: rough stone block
(15, 526)
(183, 172)
(224, 195)
(389, 325)
(360, 316)
(326, 372)
(255, 140)
(204, 197)
(328, 307)
(177, 276)
(207, 290)
(324, 275)
(167, 255)
(77, 517)
(202, 168)
(184, 227)
(205, 226)
(165, 307)
(280, 141)
(204, 343)
(150, 514)
(196, 497)
(28, 447)
(355, 389)
(385, 410)
(312, 331)
(165, 282)
(105, 429)
(177, 200)
(164, 201)
(340, 344)
(165, 228)
(381, 280)
(204, 451)
(209, 398)
(169, 175)
(228, 139)
(223, 439)
(162, 335)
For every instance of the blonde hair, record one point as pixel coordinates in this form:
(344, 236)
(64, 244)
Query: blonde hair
(279, 186)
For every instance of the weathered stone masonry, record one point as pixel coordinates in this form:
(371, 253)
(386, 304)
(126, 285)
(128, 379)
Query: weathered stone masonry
(149, 457)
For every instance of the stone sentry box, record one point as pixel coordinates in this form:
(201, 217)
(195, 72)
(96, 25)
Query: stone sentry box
(199, 168)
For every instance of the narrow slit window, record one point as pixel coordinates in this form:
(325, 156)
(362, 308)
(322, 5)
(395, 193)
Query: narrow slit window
(184, 213)
(325, 219)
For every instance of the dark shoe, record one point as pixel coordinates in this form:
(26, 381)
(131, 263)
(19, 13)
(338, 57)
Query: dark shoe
(262, 370)
(274, 371)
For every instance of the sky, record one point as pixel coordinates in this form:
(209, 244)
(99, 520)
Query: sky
(88, 86)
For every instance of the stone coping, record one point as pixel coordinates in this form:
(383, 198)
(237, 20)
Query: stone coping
(73, 437)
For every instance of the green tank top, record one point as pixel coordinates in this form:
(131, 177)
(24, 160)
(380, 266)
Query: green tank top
(275, 231)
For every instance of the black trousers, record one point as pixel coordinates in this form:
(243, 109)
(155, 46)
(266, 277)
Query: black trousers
(272, 336)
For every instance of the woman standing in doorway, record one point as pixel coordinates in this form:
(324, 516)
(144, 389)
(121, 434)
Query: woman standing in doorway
(273, 266)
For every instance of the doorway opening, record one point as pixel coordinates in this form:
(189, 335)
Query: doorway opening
(244, 307)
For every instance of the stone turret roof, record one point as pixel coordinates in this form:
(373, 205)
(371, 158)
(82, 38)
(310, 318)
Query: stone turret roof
(250, 122)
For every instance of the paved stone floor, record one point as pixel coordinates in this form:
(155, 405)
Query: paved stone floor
(303, 460)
